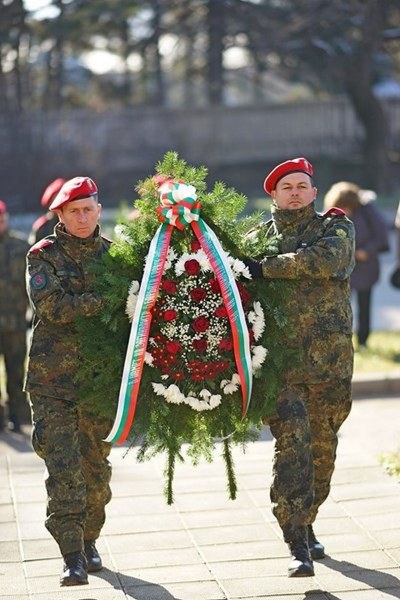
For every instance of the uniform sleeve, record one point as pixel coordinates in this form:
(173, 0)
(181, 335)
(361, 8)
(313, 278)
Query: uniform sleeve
(49, 299)
(329, 257)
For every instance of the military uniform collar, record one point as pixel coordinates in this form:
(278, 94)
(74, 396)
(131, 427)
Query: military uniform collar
(288, 217)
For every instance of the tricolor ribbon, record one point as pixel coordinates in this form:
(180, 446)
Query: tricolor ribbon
(179, 208)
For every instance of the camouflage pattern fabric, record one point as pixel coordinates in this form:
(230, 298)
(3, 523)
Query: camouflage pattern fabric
(78, 471)
(316, 259)
(59, 283)
(305, 430)
(13, 324)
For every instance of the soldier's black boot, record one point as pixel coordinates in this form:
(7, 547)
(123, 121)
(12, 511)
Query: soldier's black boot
(317, 550)
(93, 557)
(300, 564)
(75, 569)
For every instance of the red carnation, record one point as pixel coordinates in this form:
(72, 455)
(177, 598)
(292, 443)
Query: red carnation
(215, 287)
(170, 314)
(198, 294)
(192, 267)
(220, 312)
(170, 287)
(225, 345)
(178, 375)
(201, 324)
(173, 347)
(195, 245)
(200, 345)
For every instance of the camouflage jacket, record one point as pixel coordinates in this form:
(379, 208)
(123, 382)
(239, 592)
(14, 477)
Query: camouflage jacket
(13, 298)
(316, 258)
(60, 288)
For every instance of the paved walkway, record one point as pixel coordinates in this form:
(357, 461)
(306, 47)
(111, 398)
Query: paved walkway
(206, 547)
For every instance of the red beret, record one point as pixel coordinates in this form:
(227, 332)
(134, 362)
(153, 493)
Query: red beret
(52, 189)
(295, 165)
(74, 189)
(3, 207)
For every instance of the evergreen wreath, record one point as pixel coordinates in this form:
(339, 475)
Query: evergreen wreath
(190, 395)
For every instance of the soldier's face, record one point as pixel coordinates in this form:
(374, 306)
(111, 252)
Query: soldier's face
(80, 217)
(294, 191)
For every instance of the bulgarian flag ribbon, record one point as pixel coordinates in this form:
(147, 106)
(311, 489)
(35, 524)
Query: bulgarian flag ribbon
(179, 208)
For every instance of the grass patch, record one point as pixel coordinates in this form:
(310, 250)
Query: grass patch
(381, 355)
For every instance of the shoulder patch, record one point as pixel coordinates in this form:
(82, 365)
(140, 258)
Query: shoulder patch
(38, 281)
(41, 244)
(334, 211)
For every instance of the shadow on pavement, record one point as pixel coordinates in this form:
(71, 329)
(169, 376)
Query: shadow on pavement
(135, 588)
(21, 442)
(375, 579)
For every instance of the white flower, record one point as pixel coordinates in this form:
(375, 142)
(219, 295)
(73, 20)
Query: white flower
(148, 359)
(159, 388)
(171, 256)
(215, 400)
(238, 267)
(205, 394)
(202, 259)
(257, 319)
(174, 395)
(259, 356)
(132, 299)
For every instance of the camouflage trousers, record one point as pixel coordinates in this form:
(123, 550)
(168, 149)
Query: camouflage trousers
(78, 471)
(13, 349)
(305, 428)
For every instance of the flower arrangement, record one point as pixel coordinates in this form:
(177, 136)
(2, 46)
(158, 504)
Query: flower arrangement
(190, 346)
(188, 343)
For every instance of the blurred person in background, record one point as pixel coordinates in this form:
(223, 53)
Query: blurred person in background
(45, 224)
(14, 306)
(372, 237)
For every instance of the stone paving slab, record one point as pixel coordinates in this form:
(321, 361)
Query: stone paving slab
(205, 546)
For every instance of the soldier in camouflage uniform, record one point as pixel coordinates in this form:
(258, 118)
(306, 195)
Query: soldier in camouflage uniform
(70, 441)
(316, 259)
(13, 321)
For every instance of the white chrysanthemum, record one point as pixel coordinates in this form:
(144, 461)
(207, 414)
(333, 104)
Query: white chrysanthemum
(235, 378)
(215, 400)
(259, 356)
(131, 300)
(159, 388)
(238, 267)
(258, 320)
(201, 257)
(171, 256)
(174, 395)
(205, 394)
(148, 359)
(246, 273)
(230, 388)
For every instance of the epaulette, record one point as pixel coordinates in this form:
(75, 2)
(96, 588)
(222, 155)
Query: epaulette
(41, 244)
(334, 211)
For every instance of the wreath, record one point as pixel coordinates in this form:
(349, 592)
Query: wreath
(186, 356)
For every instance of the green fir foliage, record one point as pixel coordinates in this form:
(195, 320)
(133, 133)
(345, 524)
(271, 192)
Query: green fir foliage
(161, 427)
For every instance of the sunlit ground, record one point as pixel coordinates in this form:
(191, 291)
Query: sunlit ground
(381, 354)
